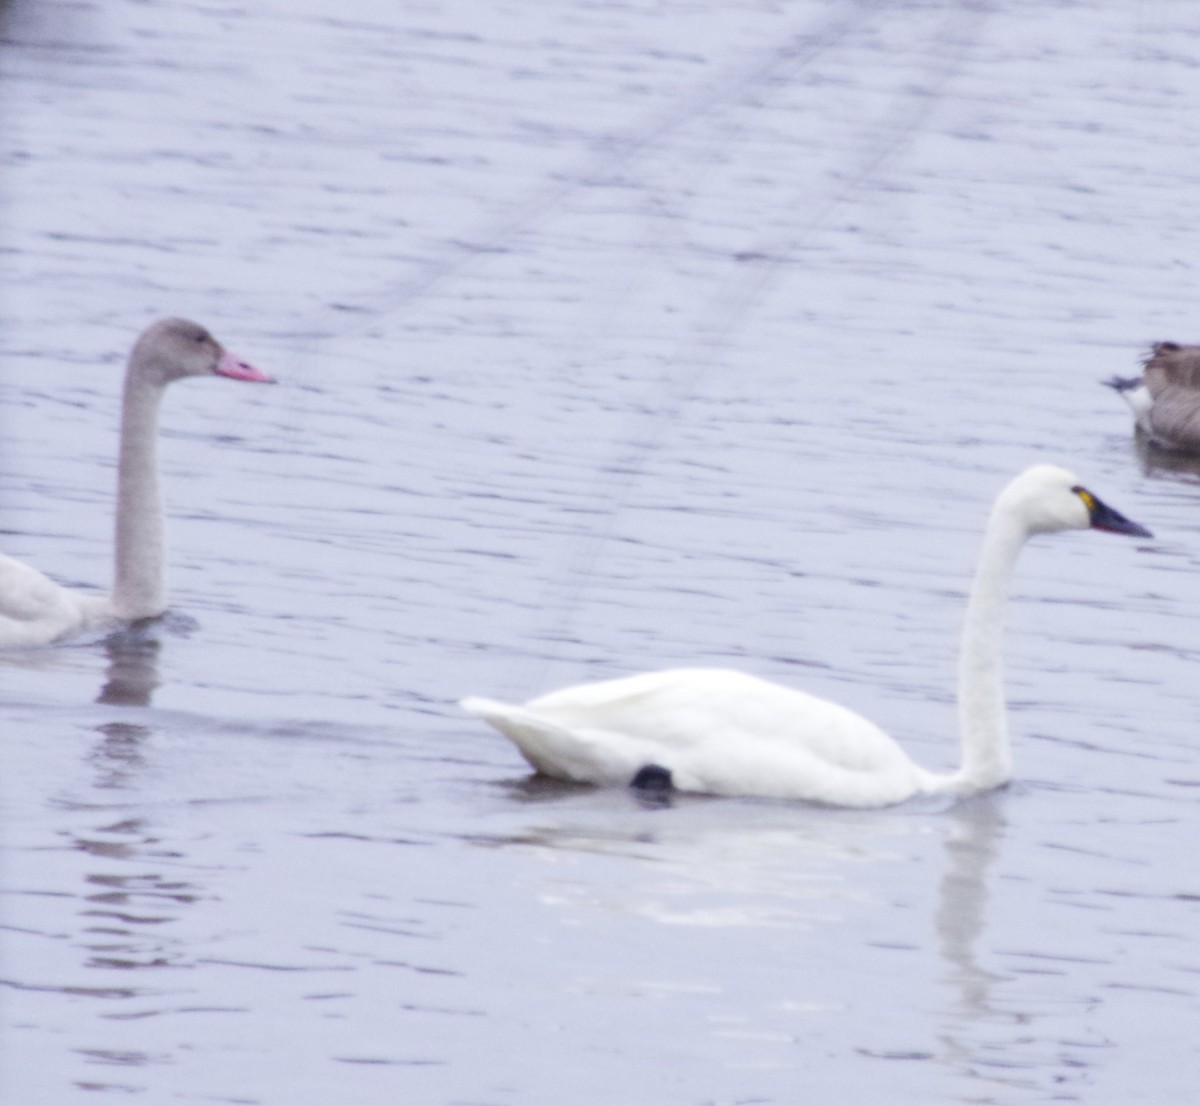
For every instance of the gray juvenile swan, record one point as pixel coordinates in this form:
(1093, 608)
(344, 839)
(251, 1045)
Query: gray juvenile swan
(722, 732)
(36, 611)
(1165, 399)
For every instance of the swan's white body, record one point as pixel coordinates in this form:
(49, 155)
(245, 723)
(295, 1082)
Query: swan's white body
(725, 733)
(34, 610)
(717, 731)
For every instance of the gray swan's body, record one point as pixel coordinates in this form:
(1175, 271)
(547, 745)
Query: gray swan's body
(34, 610)
(726, 733)
(1165, 399)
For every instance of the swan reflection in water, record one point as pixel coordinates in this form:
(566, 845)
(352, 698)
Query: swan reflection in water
(807, 869)
(118, 756)
(972, 848)
(130, 681)
(132, 675)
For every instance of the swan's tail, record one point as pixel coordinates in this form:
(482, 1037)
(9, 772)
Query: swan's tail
(579, 755)
(490, 710)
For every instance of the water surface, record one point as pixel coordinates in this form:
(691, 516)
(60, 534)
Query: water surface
(610, 338)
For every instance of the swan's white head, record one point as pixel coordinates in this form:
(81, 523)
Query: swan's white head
(174, 348)
(1046, 498)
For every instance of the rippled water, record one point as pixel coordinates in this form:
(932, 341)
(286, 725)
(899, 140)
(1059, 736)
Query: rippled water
(611, 337)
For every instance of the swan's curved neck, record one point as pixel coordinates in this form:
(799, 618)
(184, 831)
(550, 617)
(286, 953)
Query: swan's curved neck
(986, 755)
(139, 588)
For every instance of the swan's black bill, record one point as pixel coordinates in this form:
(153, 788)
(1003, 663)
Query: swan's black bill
(1105, 518)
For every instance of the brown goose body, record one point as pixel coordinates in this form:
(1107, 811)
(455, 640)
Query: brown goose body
(1166, 398)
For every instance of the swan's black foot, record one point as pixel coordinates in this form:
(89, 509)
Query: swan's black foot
(652, 780)
(1122, 383)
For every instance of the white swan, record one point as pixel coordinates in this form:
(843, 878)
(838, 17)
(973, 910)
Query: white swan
(36, 611)
(1165, 399)
(725, 733)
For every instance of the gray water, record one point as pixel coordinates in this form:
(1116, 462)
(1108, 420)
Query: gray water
(610, 337)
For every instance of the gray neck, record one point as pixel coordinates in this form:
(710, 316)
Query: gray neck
(139, 589)
(986, 755)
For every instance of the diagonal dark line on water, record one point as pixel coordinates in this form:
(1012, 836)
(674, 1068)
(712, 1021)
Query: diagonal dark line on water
(617, 153)
(730, 307)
